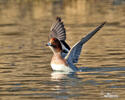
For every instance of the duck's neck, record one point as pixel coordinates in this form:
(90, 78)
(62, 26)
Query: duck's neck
(57, 53)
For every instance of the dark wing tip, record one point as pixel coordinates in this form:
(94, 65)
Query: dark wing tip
(99, 27)
(58, 18)
(104, 23)
(58, 29)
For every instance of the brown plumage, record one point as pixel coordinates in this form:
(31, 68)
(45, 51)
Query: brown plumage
(56, 44)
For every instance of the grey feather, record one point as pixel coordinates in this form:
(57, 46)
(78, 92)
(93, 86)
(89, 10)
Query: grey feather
(75, 51)
(58, 30)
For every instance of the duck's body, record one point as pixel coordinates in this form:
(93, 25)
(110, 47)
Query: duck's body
(58, 63)
(63, 57)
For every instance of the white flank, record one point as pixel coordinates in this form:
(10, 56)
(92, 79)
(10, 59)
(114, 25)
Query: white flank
(60, 67)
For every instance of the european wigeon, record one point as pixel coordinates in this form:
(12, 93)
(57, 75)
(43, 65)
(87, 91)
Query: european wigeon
(64, 58)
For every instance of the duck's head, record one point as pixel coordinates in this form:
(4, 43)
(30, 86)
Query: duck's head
(55, 45)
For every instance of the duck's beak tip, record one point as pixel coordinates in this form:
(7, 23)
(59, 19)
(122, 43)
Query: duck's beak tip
(47, 44)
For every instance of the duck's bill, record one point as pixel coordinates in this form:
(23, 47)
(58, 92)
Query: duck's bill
(48, 44)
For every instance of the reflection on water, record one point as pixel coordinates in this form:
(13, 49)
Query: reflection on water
(25, 72)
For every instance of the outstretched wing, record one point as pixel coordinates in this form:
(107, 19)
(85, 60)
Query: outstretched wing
(58, 30)
(75, 51)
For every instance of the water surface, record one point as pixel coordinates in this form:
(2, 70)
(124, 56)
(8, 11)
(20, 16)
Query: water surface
(25, 72)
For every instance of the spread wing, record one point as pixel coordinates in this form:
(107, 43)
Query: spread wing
(75, 51)
(57, 30)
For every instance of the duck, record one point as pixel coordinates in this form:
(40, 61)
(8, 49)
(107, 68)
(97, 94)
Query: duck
(64, 58)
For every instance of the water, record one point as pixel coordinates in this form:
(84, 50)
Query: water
(25, 72)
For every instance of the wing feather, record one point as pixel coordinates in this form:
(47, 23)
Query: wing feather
(58, 30)
(75, 51)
